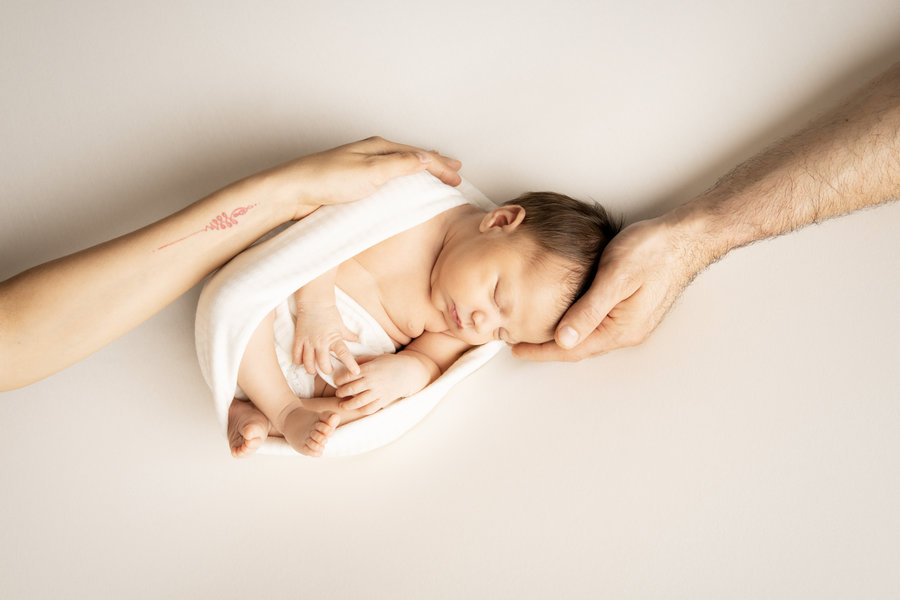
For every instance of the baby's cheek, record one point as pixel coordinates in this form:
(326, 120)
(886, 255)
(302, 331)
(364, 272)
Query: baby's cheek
(478, 340)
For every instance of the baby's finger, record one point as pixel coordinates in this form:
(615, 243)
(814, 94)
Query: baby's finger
(364, 358)
(357, 386)
(297, 350)
(345, 356)
(323, 359)
(358, 401)
(343, 378)
(348, 335)
(372, 407)
(309, 358)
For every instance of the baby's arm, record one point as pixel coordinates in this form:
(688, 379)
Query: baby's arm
(388, 377)
(319, 327)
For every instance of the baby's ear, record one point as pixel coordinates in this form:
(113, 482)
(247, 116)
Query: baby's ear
(507, 218)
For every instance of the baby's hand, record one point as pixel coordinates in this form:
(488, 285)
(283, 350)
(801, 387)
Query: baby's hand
(320, 331)
(381, 380)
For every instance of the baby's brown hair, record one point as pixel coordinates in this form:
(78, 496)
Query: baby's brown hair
(574, 231)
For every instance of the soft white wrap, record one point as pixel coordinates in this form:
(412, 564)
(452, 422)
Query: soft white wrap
(241, 293)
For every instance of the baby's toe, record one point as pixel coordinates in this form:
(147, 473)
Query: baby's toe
(323, 428)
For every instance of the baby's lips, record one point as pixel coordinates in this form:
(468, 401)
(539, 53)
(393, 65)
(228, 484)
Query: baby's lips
(454, 314)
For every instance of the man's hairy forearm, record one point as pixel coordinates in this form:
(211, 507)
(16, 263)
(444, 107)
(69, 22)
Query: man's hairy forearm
(847, 159)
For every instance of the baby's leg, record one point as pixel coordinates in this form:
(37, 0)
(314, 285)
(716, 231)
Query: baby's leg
(248, 428)
(314, 420)
(309, 422)
(325, 401)
(261, 378)
(307, 431)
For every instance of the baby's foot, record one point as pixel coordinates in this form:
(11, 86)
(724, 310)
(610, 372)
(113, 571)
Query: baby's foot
(307, 432)
(248, 428)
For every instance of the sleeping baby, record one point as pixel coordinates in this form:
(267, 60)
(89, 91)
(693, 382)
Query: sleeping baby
(387, 322)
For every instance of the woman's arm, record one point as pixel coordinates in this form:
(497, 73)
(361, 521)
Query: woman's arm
(62, 311)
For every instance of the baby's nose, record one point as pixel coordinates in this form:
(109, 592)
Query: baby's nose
(483, 321)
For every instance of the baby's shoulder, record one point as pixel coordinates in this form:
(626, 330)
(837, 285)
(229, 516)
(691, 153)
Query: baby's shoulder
(415, 238)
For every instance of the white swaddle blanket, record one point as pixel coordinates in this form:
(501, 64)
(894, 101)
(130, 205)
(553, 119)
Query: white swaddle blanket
(241, 293)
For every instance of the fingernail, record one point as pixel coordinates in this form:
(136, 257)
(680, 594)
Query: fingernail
(423, 157)
(568, 337)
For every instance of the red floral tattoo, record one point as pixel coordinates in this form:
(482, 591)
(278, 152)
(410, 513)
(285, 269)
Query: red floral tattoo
(220, 222)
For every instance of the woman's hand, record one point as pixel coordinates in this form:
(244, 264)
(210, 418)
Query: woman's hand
(350, 172)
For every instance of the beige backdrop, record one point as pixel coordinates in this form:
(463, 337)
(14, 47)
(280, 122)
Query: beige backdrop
(750, 449)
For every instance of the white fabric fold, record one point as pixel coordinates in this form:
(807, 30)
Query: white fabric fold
(240, 294)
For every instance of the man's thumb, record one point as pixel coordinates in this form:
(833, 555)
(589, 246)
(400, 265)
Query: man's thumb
(582, 318)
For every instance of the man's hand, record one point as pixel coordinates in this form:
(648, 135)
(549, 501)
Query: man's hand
(640, 274)
(844, 160)
(381, 380)
(351, 172)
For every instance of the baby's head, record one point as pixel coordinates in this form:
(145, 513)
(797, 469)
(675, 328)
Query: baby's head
(565, 229)
(528, 262)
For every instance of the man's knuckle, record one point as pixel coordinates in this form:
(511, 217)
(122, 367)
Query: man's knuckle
(632, 338)
(593, 313)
